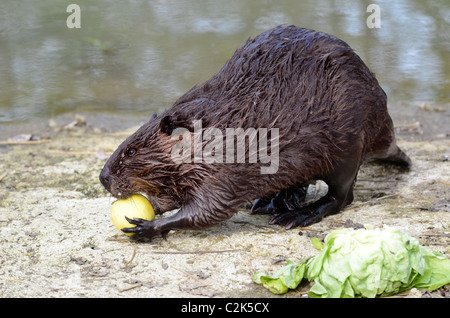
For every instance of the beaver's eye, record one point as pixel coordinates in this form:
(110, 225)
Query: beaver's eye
(130, 152)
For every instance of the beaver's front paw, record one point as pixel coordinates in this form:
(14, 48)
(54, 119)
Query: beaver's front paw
(143, 228)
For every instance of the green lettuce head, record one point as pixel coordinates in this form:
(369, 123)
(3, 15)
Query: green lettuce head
(366, 263)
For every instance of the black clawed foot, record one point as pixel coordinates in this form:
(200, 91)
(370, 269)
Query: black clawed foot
(143, 228)
(307, 215)
(264, 205)
(161, 226)
(340, 180)
(285, 200)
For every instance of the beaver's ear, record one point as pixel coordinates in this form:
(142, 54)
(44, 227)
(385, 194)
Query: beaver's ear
(167, 125)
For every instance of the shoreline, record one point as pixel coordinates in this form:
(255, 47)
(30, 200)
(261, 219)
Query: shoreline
(425, 122)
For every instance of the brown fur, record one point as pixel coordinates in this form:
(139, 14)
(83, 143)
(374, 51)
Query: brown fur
(325, 102)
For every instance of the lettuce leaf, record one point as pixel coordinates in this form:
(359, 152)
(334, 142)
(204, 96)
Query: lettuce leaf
(287, 277)
(363, 263)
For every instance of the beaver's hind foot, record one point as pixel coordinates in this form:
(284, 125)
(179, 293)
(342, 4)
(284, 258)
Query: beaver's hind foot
(307, 215)
(290, 212)
(285, 200)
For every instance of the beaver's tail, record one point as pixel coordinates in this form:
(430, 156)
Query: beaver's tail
(398, 157)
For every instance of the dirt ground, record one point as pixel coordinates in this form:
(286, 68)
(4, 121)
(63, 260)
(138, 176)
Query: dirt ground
(57, 239)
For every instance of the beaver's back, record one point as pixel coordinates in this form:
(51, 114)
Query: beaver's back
(309, 85)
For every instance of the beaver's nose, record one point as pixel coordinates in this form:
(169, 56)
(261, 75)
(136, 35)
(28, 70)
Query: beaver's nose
(105, 178)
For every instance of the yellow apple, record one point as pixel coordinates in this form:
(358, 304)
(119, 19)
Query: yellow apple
(135, 206)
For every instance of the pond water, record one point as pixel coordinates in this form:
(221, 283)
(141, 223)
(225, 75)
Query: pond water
(138, 57)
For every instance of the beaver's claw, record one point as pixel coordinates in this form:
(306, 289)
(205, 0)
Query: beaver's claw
(285, 200)
(289, 210)
(307, 215)
(143, 228)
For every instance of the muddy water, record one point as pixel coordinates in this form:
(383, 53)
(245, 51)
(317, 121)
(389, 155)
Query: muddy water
(137, 57)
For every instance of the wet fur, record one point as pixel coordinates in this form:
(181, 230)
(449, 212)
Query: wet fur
(325, 102)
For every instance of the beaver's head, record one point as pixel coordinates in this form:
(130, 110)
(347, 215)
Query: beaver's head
(142, 164)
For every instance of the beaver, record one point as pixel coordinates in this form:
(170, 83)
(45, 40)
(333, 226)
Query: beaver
(330, 115)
